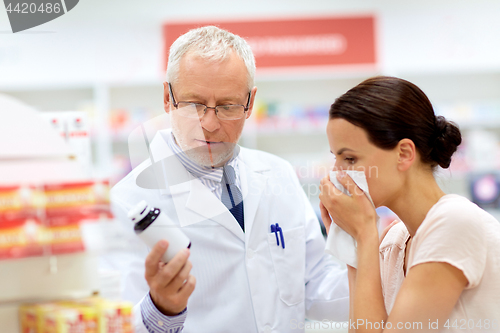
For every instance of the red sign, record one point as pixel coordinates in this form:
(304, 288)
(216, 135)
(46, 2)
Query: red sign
(297, 42)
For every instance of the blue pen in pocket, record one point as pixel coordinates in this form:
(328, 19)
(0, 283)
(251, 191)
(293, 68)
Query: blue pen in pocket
(277, 229)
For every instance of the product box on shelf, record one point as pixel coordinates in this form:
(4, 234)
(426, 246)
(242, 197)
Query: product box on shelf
(70, 320)
(89, 315)
(74, 128)
(31, 316)
(22, 238)
(46, 219)
(113, 316)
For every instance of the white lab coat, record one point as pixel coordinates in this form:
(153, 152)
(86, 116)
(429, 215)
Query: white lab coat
(245, 282)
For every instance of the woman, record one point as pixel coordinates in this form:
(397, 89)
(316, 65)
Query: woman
(441, 268)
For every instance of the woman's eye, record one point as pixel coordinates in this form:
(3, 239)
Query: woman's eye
(350, 160)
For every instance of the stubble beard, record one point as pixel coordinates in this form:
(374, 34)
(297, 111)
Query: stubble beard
(201, 155)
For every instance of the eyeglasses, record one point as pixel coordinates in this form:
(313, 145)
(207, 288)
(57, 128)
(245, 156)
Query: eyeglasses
(197, 110)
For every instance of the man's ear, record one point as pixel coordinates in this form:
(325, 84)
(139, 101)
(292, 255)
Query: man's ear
(166, 97)
(407, 154)
(252, 100)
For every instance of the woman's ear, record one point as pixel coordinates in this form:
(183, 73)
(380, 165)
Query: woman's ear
(407, 154)
(166, 97)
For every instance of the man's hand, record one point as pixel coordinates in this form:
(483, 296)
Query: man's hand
(170, 284)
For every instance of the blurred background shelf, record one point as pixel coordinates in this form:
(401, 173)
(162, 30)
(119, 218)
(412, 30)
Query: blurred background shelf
(39, 279)
(105, 59)
(286, 123)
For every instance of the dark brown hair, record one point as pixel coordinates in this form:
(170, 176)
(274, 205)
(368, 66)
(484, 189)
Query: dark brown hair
(390, 109)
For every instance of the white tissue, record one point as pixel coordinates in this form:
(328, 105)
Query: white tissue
(339, 243)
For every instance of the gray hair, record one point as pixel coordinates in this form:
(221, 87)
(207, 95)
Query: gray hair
(210, 43)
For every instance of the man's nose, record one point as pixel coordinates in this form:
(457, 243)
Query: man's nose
(209, 121)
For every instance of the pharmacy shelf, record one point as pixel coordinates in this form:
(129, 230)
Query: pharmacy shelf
(61, 276)
(47, 278)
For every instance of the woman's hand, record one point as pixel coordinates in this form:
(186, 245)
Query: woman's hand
(354, 214)
(325, 217)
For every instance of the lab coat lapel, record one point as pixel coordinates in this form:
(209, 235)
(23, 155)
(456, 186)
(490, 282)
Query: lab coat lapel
(195, 203)
(204, 203)
(253, 182)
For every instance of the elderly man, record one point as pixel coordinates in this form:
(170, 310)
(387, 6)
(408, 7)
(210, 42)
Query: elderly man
(257, 250)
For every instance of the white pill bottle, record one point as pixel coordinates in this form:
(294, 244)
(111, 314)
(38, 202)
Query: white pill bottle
(152, 226)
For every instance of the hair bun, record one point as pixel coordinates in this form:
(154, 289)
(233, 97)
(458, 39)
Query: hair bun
(447, 139)
(441, 126)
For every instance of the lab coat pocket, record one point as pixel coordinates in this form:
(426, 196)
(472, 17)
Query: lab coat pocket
(289, 264)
